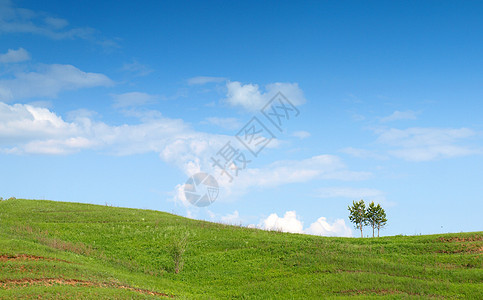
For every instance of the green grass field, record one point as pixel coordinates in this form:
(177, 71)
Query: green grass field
(58, 250)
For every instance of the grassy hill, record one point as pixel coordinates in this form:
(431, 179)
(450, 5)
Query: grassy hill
(60, 250)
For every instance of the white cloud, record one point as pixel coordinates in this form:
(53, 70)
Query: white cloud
(400, 115)
(249, 96)
(225, 123)
(324, 228)
(288, 223)
(14, 56)
(192, 155)
(233, 219)
(29, 129)
(191, 151)
(230, 218)
(290, 90)
(48, 81)
(291, 223)
(133, 99)
(301, 134)
(424, 144)
(56, 146)
(179, 197)
(22, 123)
(200, 80)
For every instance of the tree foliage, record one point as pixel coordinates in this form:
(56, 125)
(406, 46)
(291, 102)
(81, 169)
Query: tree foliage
(381, 219)
(374, 216)
(358, 214)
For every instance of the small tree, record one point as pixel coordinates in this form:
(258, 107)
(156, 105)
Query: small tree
(381, 219)
(372, 216)
(358, 214)
(177, 249)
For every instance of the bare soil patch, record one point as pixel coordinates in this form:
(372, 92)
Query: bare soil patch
(455, 239)
(18, 257)
(12, 283)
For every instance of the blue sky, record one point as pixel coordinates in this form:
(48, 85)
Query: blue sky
(120, 102)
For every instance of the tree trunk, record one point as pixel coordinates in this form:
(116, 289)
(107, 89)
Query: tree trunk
(373, 231)
(361, 230)
(377, 231)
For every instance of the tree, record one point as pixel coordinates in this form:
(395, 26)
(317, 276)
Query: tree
(372, 214)
(381, 219)
(358, 214)
(376, 217)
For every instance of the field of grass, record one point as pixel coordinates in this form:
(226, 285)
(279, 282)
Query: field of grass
(58, 250)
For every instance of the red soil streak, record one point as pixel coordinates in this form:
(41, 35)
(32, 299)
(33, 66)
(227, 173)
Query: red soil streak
(7, 257)
(10, 283)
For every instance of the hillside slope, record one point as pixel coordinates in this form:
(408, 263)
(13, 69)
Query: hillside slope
(56, 250)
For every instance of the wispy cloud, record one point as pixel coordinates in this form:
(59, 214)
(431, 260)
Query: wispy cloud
(56, 23)
(21, 20)
(133, 99)
(49, 81)
(363, 153)
(226, 123)
(251, 98)
(400, 115)
(137, 68)
(192, 156)
(200, 80)
(424, 144)
(301, 134)
(283, 172)
(420, 144)
(14, 56)
(293, 171)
